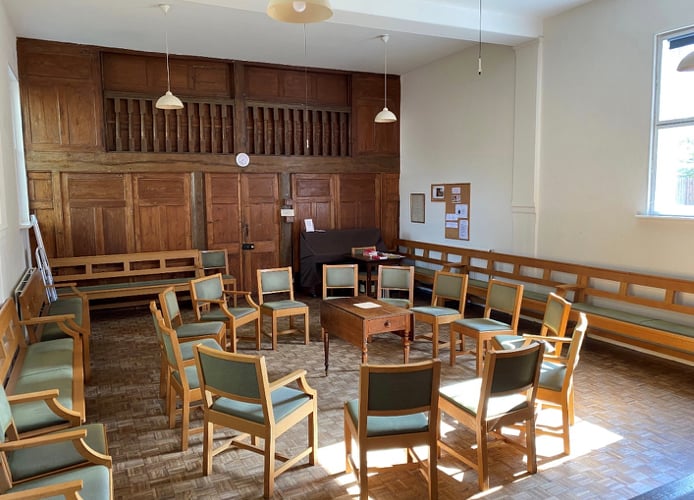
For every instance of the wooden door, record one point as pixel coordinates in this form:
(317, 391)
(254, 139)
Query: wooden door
(359, 201)
(260, 225)
(314, 198)
(162, 216)
(222, 217)
(390, 209)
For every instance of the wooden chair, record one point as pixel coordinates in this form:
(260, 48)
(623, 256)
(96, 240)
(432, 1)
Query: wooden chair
(186, 348)
(505, 395)
(397, 408)
(239, 396)
(397, 279)
(77, 454)
(502, 297)
(340, 277)
(556, 387)
(217, 261)
(554, 321)
(277, 283)
(359, 252)
(210, 303)
(183, 380)
(188, 331)
(447, 286)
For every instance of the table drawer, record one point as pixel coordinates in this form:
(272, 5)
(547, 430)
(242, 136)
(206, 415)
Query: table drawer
(393, 324)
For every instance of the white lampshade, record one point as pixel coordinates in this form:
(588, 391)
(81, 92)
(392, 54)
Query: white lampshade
(687, 63)
(385, 116)
(169, 101)
(303, 12)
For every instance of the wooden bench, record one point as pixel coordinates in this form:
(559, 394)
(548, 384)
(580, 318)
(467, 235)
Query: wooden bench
(647, 312)
(66, 317)
(427, 258)
(117, 276)
(51, 371)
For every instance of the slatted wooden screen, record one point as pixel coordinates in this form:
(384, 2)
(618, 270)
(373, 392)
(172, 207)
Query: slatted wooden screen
(136, 125)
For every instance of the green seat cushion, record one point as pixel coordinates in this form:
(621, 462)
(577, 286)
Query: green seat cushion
(637, 319)
(187, 347)
(537, 296)
(209, 328)
(115, 286)
(96, 478)
(483, 324)
(191, 375)
(510, 341)
(284, 401)
(466, 394)
(35, 415)
(552, 375)
(435, 311)
(49, 355)
(218, 314)
(282, 304)
(386, 426)
(396, 302)
(38, 460)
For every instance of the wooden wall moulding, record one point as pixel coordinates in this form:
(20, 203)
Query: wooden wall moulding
(370, 137)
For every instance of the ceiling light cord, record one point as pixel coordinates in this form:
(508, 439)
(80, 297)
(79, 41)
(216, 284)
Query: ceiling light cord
(479, 54)
(308, 144)
(168, 71)
(385, 71)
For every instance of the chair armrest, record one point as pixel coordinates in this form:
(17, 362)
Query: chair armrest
(558, 343)
(50, 397)
(247, 295)
(562, 290)
(299, 376)
(73, 288)
(75, 435)
(66, 323)
(69, 490)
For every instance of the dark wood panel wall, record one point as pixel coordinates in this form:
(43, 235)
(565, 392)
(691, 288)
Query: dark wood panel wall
(109, 173)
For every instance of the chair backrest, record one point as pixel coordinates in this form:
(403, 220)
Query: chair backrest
(169, 307)
(361, 250)
(216, 261)
(556, 316)
(574, 350)
(449, 286)
(207, 288)
(6, 420)
(504, 297)
(240, 377)
(396, 278)
(391, 390)
(171, 349)
(510, 379)
(275, 280)
(340, 277)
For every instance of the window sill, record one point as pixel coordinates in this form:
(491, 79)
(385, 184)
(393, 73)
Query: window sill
(665, 217)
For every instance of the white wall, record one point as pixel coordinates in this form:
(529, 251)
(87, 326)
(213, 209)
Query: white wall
(584, 171)
(456, 127)
(12, 238)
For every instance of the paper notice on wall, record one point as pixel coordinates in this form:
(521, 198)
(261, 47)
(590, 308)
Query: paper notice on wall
(452, 225)
(451, 217)
(463, 229)
(461, 210)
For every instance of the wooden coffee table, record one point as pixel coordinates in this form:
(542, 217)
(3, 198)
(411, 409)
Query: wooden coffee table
(355, 319)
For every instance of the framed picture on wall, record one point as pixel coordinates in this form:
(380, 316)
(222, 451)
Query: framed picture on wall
(437, 192)
(417, 207)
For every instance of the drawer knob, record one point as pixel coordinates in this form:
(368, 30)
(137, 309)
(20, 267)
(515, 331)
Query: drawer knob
(386, 324)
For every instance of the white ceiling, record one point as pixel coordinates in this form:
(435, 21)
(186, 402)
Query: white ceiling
(420, 31)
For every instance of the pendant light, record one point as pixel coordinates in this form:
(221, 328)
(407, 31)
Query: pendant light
(309, 11)
(479, 53)
(168, 100)
(385, 115)
(687, 63)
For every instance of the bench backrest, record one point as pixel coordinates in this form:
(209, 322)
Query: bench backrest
(95, 269)
(11, 338)
(33, 298)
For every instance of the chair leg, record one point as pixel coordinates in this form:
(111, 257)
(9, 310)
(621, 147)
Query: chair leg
(274, 332)
(363, 475)
(433, 479)
(482, 459)
(530, 445)
(454, 337)
(479, 356)
(185, 421)
(306, 328)
(269, 477)
(435, 340)
(208, 431)
(258, 334)
(566, 426)
(313, 434)
(172, 409)
(348, 448)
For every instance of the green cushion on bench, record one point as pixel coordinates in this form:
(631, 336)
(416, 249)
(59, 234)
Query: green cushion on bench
(637, 319)
(35, 415)
(67, 305)
(48, 355)
(33, 461)
(97, 482)
(135, 284)
(538, 296)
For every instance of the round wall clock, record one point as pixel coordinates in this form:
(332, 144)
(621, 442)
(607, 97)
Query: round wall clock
(242, 160)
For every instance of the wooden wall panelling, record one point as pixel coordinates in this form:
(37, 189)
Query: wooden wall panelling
(390, 209)
(260, 224)
(371, 137)
(96, 214)
(314, 198)
(359, 201)
(222, 217)
(162, 212)
(45, 203)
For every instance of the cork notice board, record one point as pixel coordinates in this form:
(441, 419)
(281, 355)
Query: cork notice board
(457, 200)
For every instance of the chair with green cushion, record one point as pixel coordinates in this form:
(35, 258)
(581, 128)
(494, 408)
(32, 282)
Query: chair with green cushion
(188, 331)
(556, 387)
(397, 408)
(78, 453)
(186, 348)
(183, 380)
(342, 277)
(393, 280)
(238, 395)
(447, 287)
(217, 261)
(502, 297)
(554, 323)
(211, 303)
(277, 284)
(502, 397)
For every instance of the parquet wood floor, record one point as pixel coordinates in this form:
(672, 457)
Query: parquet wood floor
(635, 417)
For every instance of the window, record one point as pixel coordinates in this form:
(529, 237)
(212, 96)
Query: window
(22, 193)
(671, 189)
